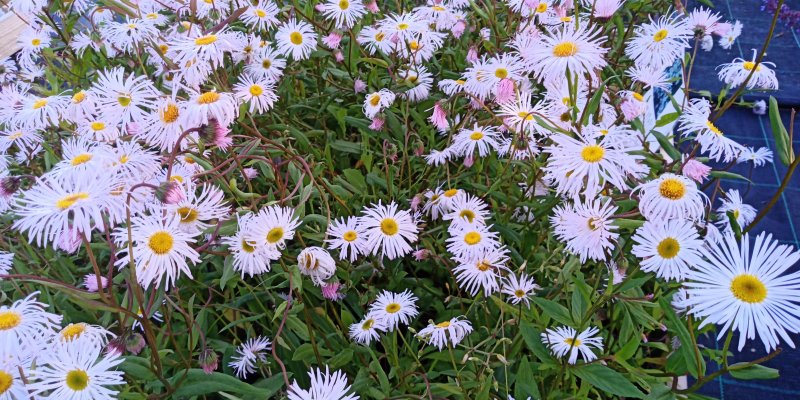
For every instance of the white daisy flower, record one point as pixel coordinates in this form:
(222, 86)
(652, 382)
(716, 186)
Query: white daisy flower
(249, 354)
(317, 263)
(348, 236)
(83, 332)
(671, 196)
(198, 48)
(204, 106)
(266, 63)
(25, 323)
(389, 231)
(564, 339)
(377, 102)
(40, 112)
(129, 34)
(652, 77)
(15, 366)
(6, 262)
(261, 16)
(196, 209)
(482, 139)
(703, 20)
(345, 13)
(759, 157)
(736, 72)
(471, 241)
(249, 256)
(163, 126)
(748, 292)
(726, 41)
(481, 272)
(519, 290)
(420, 81)
(132, 162)
(394, 308)
(402, 28)
(465, 209)
(296, 39)
(260, 93)
(98, 129)
(742, 212)
(586, 228)
(668, 248)
(78, 371)
(273, 226)
(660, 42)
(375, 39)
(161, 250)
(324, 386)
(562, 48)
(446, 334)
(367, 330)
(123, 99)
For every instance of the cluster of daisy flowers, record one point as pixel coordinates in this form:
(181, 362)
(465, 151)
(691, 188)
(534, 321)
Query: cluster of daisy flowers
(122, 158)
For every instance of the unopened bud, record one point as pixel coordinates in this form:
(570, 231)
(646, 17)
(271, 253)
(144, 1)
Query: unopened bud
(208, 361)
(169, 193)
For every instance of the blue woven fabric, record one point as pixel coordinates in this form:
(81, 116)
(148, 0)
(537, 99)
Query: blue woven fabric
(783, 221)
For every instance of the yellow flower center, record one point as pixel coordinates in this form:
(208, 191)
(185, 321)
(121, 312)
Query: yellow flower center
(749, 65)
(81, 159)
(414, 45)
(36, 42)
(542, 7)
(392, 308)
(483, 266)
(77, 380)
(176, 178)
(713, 128)
(444, 324)
(344, 4)
(389, 226)
(367, 325)
(124, 159)
(296, 38)
(79, 97)
(151, 16)
(375, 99)
(476, 135)
(69, 201)
(472, 238)
(525, 115)
(460, 82)
(266, 64)
(450, 192)
(163, 48)
(592, 153)
(6, 380)
(379, 36)
(208, 98)
(15, 136)
(565, 19)
(637, 96)
(124, 100)
(669, 248)
(437, 8)
(97, 125)
(736, 213)
(275, 235)
(247, 247)
(260, 13)
(402, 26)
(604, 132)
(256, 90)
(9, 320)
(39, 104)
(501, 73)
(205, 40)
(748, 288)
(660, 35)
(591, 223)
(170, 113)
(565, 49)
(519, 293)
(468, 214)
(672, 189)
(161, 242)
(72, 331)
(572, 342)
(188, 215)
(350, 236)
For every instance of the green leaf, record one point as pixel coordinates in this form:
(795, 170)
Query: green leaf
(674, 324)
(199, 383)
(754, 371)
(629, 349)
(355, 178)
(628, 223)
(608, 380)
(782, 144)
(728, 175)
(524, 386)
(533, 339)
(593, 105)
(554, 310)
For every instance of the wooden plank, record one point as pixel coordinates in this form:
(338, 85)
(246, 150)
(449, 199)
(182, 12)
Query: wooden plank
(11, 27)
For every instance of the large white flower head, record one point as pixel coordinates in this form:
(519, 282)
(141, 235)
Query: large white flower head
(448, 333)
(482, 139)
(199, 206)
(586, 228)
(266, 63)
(742, 212)
(466, 209)
(258, 92)
(82, 332)
(273, 226)
(161, 250)
(15, 368)
(78, 371)
(205, 106)
(567, 48)
(324, 386)
(249, 354)
(565, 339)
(671, 196)
(481, 272)
(668, 248)
(394, 308)
(296, 39)
(345, 13)
(660, 42)
(519, 289)
(124, 99)
(368, 329)
(695, 120)
(348, 236)
(378, 101)
(471, 241)
(747, 291)
(250, 257)
(199, 48)
(390, 231)
(262, 15)
(317, 264)
(26, 324)
(736, 73)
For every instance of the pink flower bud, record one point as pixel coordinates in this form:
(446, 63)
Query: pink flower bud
(249, 173)
(458, 28)
(696, 170)
(472, 54)
(69, 241)
(90, 282)
(331, 291)
(320, 7)
(338, 55)
(359, 86)
(468, 161)
(377, 123)
(372, 7)
(439, 117)
(208, 361)
(504, 92)
(169, 193)
(333, 40)
(421, 254)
